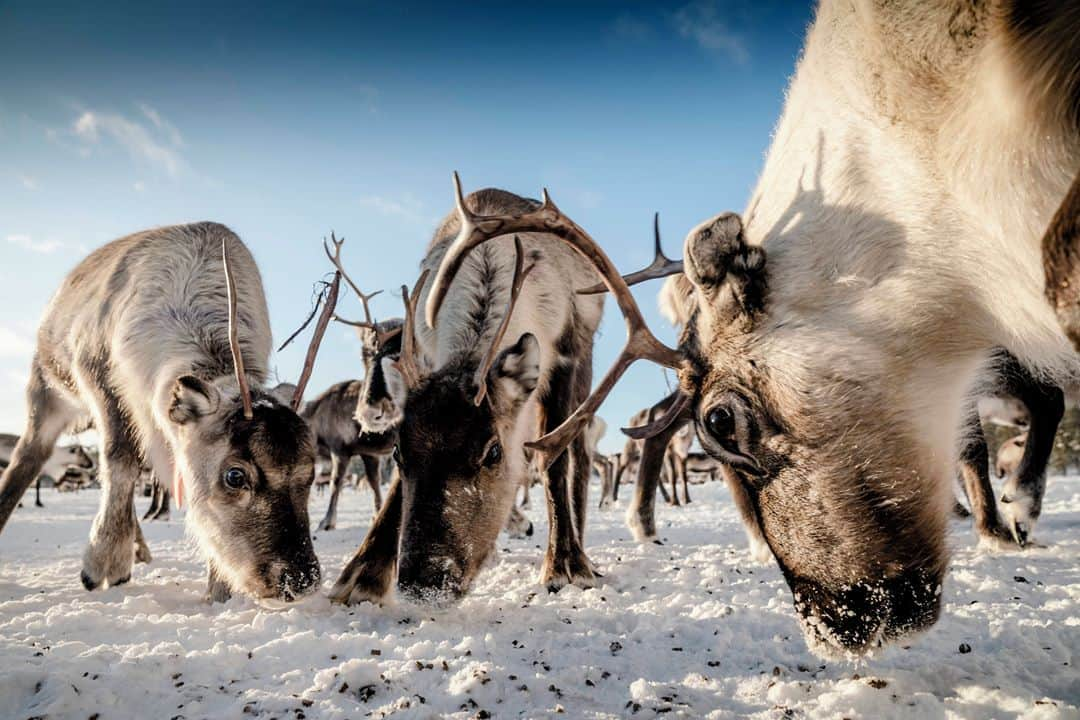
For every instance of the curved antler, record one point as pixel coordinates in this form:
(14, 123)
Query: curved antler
(640, 342)
(234, 336)
(660, 267)
(335, 258)
(406, 362)
(515, 292)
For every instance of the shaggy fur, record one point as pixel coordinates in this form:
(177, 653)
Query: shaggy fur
(921, 153)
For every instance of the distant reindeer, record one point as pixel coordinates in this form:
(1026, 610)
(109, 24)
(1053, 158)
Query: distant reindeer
(331, 417)
(475, 377)
(64, 460)
(160, 500)
(1009, 455)
(162, 338)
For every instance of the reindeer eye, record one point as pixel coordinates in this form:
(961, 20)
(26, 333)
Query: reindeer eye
(720, 422)
(494, 455)
(235, 478)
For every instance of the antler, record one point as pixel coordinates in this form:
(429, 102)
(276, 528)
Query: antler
(515, 292)
(234, 339)
(335, 258)
(640, 342)
(661, 266)
(316, 340)
(406, 362)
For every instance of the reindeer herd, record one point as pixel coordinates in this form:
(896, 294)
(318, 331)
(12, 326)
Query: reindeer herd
(910, 247)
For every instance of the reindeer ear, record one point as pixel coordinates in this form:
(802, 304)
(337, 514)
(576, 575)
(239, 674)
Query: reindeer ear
(192, 399)
(395, 383)
(283, 393)
(515, 372)
(728, 273)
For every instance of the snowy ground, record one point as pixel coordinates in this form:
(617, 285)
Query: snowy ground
(692, 628)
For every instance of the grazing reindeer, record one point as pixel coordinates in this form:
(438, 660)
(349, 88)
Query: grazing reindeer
(167, 353)
(331, 416)
(64, 460)
(470, 399)
(603, 467)
(833, 376)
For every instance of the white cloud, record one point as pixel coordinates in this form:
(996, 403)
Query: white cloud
(702, 22)
(45, 247)
(14, 344)
(154, 144)
(28, 182)
(139, 186)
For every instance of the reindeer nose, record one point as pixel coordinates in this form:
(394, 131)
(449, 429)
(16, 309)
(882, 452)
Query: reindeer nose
(297, 581)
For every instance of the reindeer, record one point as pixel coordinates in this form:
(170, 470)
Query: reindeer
(601, 464)
(160, 500)
(331, 418)
(1036, 405)
(167, 353)
(475, 379)
(64, 460)
(840, 332)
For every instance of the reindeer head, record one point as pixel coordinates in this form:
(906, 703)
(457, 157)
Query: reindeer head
(844, 495)
(247, 461)
(377, 411)
(247, 475)
(459, 452)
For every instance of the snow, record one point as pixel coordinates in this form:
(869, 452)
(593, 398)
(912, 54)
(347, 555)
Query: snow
(690, 628)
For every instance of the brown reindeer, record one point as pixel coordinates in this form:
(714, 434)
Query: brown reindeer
(476, 377)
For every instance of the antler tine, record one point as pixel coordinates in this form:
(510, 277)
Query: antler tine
(640, 342)
(515, 292)
(661, 266)
(660, 424)
(335, 258)
(316, 340)
(234, 336)
(406, 362)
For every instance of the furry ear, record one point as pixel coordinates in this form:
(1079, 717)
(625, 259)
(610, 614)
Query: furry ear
(729, 274)
(515, 372)
(192, 399)
(283, 393)
(395, 383)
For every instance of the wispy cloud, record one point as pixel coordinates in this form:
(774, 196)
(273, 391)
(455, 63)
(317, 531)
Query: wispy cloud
(155, 143)
(45, 247)
(406, 206)
(703, 22)
(28, 182)
(14, 344)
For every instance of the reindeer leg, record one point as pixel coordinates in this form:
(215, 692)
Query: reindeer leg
(339, 465)
(617, 480)
(673, 476)
(142, 550)
(164, 504)
(110, 553)
(1021, 497)
(681, 463)
(217, 590)
(641, 515)
(37, 493)
(581, 453)
(370, 573)
(605, 485)
(565, 561)
(372, 475)
(975, 470)
(49, 415)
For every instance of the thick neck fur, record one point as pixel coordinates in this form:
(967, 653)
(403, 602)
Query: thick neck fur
(907, 169)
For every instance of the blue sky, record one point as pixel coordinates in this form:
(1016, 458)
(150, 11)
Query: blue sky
(286, 121)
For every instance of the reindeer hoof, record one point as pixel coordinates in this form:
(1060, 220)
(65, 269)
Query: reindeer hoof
(108, 563)
(362, 583)
(575, 569)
